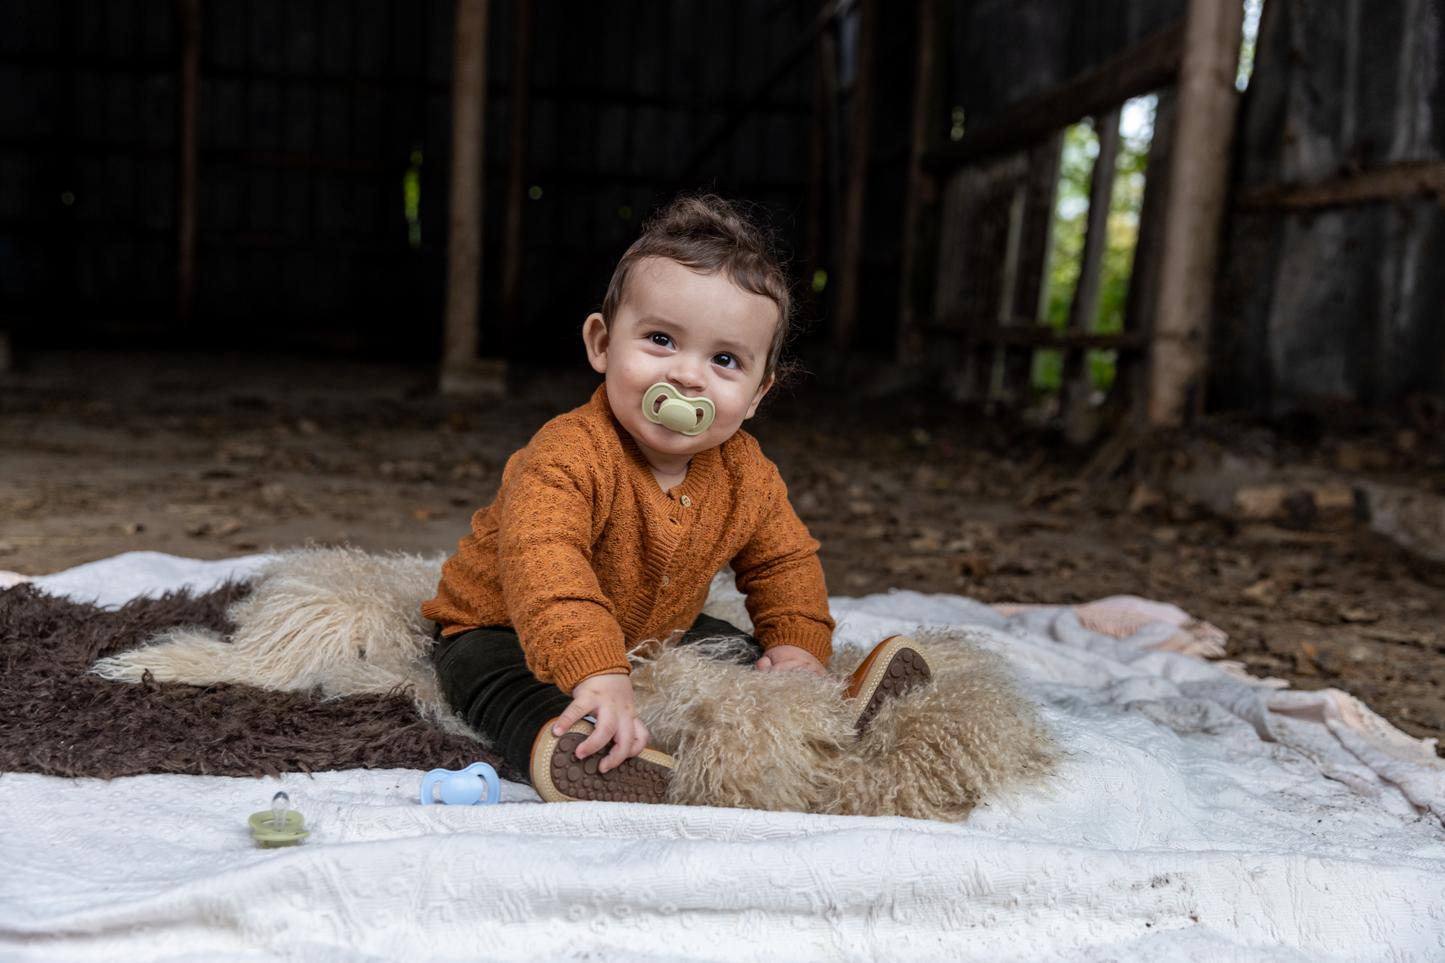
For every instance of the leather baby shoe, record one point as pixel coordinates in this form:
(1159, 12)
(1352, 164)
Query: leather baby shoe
(893, 667)
(559, 776)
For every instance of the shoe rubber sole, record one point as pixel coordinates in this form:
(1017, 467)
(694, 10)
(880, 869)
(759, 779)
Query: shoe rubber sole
(891, 669)
(559, 776)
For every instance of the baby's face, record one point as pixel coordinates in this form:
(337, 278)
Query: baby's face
(700, 333)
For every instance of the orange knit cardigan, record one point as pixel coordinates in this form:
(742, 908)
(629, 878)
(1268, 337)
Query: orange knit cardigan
(586, 556)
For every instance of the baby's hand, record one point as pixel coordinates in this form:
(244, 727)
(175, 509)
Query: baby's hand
(790, 657)
(608, 699)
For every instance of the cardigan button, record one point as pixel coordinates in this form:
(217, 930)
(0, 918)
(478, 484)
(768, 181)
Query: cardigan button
(686, 502)
(665, 580)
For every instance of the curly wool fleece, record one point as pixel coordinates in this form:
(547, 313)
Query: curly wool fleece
(786, 741)
(347, 622)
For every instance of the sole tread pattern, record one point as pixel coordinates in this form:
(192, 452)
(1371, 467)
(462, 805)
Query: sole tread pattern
(636, 780)
(907, 670)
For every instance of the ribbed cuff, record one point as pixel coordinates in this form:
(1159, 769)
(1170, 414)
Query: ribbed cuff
(572, 667)
(603, 672)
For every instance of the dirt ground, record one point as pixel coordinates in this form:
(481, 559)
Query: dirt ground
(213, 456)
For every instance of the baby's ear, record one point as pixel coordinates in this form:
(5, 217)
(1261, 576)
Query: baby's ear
(762, 390)
(596, 337)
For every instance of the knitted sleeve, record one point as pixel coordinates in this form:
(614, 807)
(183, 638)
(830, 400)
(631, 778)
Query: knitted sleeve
(779, 572)
(567, 625)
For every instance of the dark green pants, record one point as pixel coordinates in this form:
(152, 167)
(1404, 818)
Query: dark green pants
(484, 677)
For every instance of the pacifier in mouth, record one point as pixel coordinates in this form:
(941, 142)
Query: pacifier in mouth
(663, 405)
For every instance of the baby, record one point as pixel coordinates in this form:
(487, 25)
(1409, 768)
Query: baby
(611, 523)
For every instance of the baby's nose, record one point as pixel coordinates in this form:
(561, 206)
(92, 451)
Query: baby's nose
(686, 373)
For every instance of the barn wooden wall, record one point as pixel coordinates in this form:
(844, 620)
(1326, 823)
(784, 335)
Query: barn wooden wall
(994, 204)
(309, 113)
(1010, 50)
(1322, 303)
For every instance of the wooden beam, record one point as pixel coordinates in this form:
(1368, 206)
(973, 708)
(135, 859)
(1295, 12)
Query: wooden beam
(517, 172)
(1029, 333)
(1149, 64)
(461, 371)
(1376, 184)
(1035, 238)
(1204, 131)
(922, 186)
(1126, 402)
(1084, 310)
(845, 319)
(188, 22)
(817, 241)
(1081, 422)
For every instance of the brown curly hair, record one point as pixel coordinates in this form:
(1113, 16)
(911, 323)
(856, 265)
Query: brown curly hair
(708, 234)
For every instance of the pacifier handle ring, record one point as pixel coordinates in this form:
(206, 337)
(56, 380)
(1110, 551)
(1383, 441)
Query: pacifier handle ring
(430, 780)
(494, 784)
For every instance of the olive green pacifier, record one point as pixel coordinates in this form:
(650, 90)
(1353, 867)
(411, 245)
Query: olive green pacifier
(691, 416)
(278, 826)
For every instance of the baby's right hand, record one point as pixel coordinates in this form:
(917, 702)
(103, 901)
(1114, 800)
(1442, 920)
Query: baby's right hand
(608, 699)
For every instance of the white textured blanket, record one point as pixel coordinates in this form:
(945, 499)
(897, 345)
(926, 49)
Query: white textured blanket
(1197, 817)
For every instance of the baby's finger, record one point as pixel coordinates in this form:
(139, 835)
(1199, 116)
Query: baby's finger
(569, 718)
(604, 730)
(631, 739)
(621, 752)
(765, 663)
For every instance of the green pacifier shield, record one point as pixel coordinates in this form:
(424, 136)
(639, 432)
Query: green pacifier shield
(271, 834)
(663, 405)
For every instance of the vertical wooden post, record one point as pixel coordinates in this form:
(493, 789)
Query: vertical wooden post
(817, 245)
(1085, 307)
(1080, 423)
(462, 372)
(1127, 400)
(1207, 101)
(188, 80)
(1041, 189)
(517, 167)
(845, 322)
(922, 187)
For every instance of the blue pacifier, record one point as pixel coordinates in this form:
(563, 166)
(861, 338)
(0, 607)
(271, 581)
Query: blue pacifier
(463, 787)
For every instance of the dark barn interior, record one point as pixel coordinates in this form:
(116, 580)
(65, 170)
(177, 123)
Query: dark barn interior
(1103, 296)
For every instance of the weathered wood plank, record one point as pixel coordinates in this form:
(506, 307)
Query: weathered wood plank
(922, 186)
(1151, 63)
(1081, 422)
(1029, 333)
(1377, 184)
(1126, 399)
(517, 166)
(188, 16)
(845, 320)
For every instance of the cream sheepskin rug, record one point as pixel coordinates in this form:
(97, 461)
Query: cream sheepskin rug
(340, 620)
(347, 622)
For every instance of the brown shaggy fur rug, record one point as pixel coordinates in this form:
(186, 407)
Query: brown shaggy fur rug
(58, 719)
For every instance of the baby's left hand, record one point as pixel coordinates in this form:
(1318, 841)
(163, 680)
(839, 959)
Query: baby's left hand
(790, 657)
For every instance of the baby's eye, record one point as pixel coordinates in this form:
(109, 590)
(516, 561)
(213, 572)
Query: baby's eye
(725, 360)
(660, 339)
